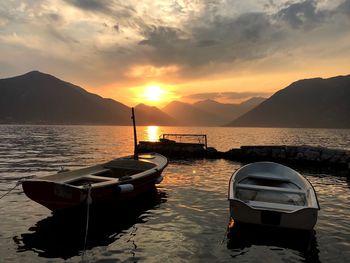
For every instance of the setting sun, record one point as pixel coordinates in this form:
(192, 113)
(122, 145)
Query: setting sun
(153, 93)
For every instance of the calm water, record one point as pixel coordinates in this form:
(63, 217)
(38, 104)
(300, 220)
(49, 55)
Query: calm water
(184, 221)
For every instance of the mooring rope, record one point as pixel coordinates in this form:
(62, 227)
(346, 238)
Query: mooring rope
(17, 184)
(225, 236)
(88, 202)
(228, 229)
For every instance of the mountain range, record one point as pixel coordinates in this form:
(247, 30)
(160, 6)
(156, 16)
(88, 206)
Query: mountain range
(208, 112)
(39, 98)
(312, 103)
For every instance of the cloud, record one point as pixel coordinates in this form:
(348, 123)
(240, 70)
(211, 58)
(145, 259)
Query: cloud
(224, 40)
(197, 38)
(149, 71)
(92, 5)
(212, 41)
(345, 8)
(303, 14)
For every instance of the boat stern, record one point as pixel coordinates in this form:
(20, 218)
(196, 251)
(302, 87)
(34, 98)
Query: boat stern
(52, 195)
(303, 218)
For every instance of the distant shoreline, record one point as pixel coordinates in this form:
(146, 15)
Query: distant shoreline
(128, 125)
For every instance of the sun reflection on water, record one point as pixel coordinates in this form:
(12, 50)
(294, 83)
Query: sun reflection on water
(152, 133)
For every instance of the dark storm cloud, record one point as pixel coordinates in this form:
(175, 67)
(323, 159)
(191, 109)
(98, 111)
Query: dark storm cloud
(170, 45)
(91, 5)
(223, 40)
(216, 39)
(117, 9)
(345, 8)
(302, 14)
(226, 95)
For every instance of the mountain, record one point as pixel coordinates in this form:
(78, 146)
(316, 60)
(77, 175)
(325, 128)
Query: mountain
(37, 97)
(314, 103)
(252, 103)
(188, 115)
(148, 115)
(227, 112)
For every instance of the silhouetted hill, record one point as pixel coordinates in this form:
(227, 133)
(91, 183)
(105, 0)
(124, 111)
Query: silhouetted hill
(227, 112)
(305, 103)
(37, 97)
(150, 115)
(188, 115)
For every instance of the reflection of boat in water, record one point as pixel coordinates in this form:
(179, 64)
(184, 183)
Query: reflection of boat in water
(244, 236)
(62, 234)
(272, 194)
(115, 181)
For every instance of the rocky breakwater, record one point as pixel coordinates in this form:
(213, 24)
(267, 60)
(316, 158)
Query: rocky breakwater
(304, 155)
(299, 155)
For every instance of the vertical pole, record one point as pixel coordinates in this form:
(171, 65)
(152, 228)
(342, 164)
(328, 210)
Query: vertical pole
(135, 136)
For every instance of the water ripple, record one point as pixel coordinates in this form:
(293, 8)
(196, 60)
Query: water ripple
(184, 221)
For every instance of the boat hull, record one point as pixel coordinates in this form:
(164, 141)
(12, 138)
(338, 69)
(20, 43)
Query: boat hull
(58, 195)
(304, 219)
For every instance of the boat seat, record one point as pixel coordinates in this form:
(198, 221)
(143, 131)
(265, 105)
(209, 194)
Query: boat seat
(267, 176)
(89, 179)
(129, 165)
(101, 172)
(274, 206)
(270, 188)
(98, 178)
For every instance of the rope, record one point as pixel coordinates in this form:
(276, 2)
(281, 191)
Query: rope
(225, 236)
(228, 229)
(17, 184)
(88, 202)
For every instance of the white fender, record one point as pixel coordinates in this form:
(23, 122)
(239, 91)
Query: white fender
(159, 179)
(126, 188)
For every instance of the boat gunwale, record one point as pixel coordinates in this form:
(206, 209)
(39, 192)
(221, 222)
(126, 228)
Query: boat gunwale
(280, 210)
(159, 161)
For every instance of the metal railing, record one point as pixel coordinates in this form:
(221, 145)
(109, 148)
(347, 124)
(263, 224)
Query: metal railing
(186, 138)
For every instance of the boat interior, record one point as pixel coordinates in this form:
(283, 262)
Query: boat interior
(270, 190)
(118, 168)
(121, 169)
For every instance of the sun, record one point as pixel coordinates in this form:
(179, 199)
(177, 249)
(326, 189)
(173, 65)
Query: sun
(153, 93)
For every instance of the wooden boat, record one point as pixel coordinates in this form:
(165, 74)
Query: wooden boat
(272, 194)
(114, 181)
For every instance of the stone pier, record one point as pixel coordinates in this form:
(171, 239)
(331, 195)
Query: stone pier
(299, 155)
(304, 155)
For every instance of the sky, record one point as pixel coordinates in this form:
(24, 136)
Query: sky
(155, 51)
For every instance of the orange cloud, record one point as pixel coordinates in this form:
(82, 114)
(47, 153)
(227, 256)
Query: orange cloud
(149, 71)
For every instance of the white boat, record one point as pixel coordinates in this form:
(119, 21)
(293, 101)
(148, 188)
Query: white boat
(271, 194)
(116, 181)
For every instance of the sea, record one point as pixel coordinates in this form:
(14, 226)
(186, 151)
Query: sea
(184, 220)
